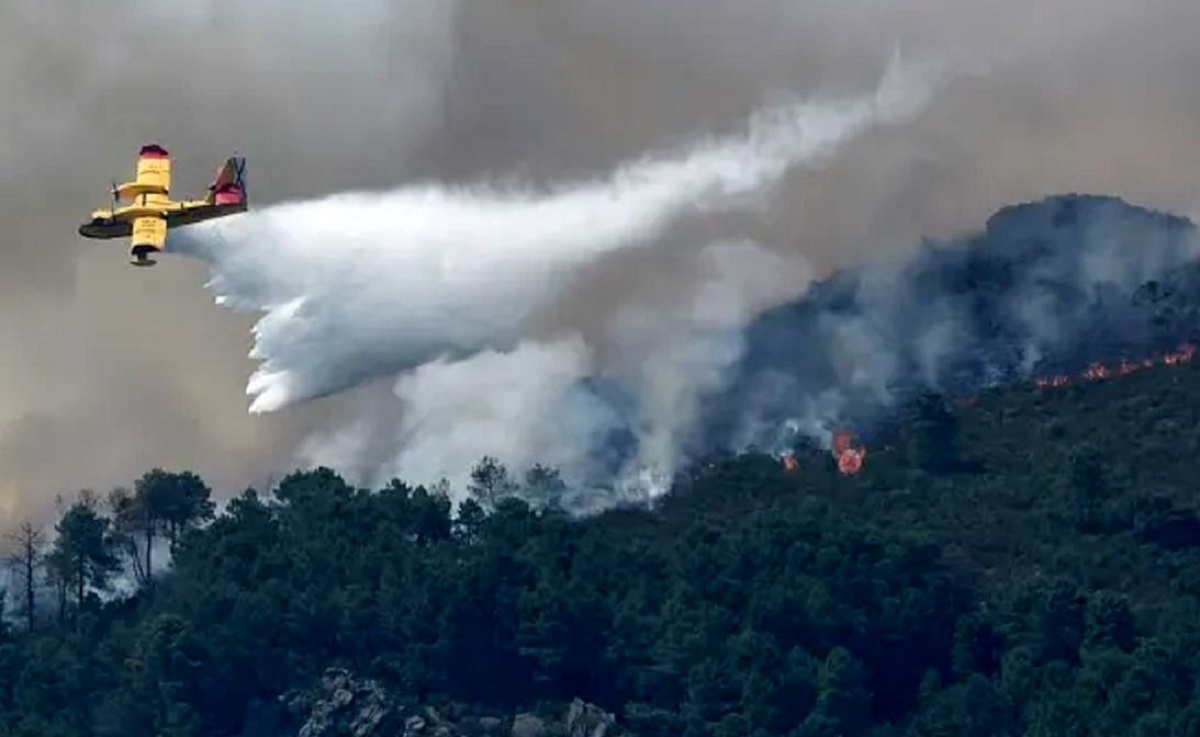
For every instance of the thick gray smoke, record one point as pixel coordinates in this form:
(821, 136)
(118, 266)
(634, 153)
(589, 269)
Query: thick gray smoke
(1046, 289)
(116, 369)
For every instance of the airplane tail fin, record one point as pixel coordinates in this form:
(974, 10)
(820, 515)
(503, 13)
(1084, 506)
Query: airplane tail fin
(229, 186)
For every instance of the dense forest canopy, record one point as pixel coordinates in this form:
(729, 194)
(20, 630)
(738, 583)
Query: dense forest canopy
(1024, 564)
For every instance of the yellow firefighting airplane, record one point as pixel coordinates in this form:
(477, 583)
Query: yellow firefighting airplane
(152, 211)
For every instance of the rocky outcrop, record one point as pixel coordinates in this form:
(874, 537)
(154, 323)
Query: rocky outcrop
(343, 705)
(581, 719)
(588, 720)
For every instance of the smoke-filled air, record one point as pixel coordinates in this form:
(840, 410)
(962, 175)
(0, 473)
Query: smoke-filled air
(362, 285)
(598, 236)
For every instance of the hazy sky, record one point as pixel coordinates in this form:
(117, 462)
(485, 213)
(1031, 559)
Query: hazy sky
(110, 370)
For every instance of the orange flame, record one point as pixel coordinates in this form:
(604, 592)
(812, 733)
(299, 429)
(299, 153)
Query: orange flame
(849, 458)
(1099, 371)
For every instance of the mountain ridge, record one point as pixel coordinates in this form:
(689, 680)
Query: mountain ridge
(1046, 287)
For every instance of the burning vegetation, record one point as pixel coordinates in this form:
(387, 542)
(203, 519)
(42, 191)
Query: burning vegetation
(1099, 371)
(850, 458)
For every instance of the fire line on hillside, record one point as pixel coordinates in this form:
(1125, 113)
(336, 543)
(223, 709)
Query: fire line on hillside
(850, 458)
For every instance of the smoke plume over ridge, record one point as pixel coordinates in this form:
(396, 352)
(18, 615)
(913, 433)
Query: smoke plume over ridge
(1047, 288)
(117, 370)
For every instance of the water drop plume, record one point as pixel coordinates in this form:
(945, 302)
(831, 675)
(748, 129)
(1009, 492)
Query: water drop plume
(359, 285)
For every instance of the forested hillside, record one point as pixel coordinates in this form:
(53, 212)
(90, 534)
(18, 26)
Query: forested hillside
(1022, 564)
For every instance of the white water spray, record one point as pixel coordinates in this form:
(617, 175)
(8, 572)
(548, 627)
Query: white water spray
(360, 285)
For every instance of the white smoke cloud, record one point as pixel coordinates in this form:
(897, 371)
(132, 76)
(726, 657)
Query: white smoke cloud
(516, 406)
(443, 282)
(527, 405)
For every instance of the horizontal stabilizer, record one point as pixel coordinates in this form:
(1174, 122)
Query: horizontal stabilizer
(130, 191)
